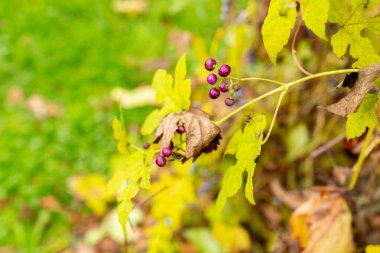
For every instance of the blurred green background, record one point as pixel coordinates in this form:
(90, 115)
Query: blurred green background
(59, 61)
(63, 67)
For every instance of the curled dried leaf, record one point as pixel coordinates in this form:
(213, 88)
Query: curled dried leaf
(202, 135)
(361, 85)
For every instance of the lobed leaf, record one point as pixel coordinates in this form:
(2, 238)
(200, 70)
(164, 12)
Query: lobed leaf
(246, 146)
(163, 84)
(123, 210)
(127, 181)
(277, 26)
(315, 14)
(352, 22)
(364, 117)
(174, 97)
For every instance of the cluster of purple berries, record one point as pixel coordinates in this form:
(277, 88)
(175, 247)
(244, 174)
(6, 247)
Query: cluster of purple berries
(168, 151)
(212, 79)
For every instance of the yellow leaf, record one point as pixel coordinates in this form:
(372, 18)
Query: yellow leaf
(323, 224)
(123, 210)
(120, 135)
(91, 189)
(372, 249)
(162, 83)
(233, 237)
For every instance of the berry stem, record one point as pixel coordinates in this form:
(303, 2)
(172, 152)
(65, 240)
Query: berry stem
(274, 117)
(257, 79)
(283, 87)
(137, 148)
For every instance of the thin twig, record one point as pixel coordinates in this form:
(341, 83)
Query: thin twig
(325, 147)
(151, 196)
(298, 26)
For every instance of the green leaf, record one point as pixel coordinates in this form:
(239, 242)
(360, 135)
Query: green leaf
(296, 142)
(372, 249)
(352, 22)
(277, 26)
(233, 143)
(315, 15)
(203, 240)
(364, 117)
(231, 183)
(246, 146)
(174, 98)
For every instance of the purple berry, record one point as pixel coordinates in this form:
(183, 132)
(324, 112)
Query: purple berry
(223, 87)
(237, 87)
(166, 151)
(210, 64)
(224, 70)
(212, 78)
(181, 129)
(146, 145)
(171, 145)
(229, 101)
(160, 161)
(214, 93)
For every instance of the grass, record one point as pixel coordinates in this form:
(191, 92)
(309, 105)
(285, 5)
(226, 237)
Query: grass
(71, 53)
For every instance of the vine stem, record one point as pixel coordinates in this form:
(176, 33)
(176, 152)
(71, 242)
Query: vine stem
(257, 79)
(298, 26)
(359, 163)
(274, 116)
(283, 87)
(136, 148)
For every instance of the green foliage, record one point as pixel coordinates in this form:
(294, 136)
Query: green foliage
(120, 135)
(355, 28)
(245, 145)
(364, 117)
(296, 141)
(315, 15)
(352, 23)
(168, 207)
(277, 26)
(173, 97)
(129, 178)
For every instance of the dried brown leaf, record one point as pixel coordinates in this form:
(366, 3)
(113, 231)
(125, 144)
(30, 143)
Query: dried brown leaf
(376, 110)
(363, 84)
(323, 224)
(201, 133)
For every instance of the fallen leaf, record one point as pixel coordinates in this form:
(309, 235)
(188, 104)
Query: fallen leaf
(43, 109)
(323, 224)
(15, 96)
(181, 40)
(201, 132)
(141, 96)
(364, 83)
(130, 6)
